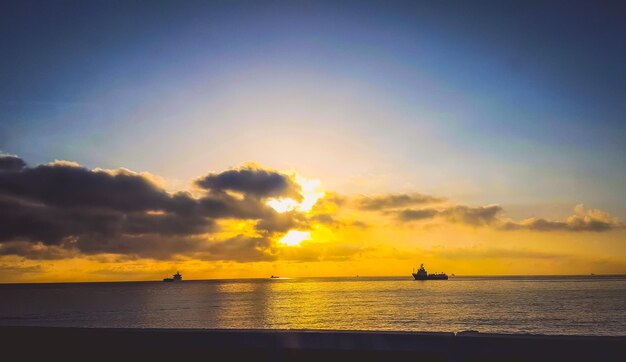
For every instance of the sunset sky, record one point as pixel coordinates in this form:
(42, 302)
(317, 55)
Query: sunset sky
(231, 139)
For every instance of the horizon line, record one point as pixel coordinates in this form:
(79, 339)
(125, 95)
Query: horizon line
(321, 277)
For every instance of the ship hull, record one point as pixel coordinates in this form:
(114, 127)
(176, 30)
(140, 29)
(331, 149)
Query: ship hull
(437, 277)
(430, 277)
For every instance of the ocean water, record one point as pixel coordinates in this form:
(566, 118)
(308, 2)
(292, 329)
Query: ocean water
(587, 305)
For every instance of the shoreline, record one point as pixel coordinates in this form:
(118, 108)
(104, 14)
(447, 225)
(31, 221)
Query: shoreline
(72, 343)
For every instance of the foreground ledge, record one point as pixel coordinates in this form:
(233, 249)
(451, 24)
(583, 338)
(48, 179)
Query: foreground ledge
(88, 344)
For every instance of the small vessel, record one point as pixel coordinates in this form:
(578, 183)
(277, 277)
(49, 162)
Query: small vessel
(274, 277)
(175, 278)
(423, 275)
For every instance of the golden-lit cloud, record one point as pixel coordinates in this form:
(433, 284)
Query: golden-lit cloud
(310, 192)
(581, 220)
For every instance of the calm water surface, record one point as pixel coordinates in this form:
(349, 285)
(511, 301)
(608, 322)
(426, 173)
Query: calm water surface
(549, 305)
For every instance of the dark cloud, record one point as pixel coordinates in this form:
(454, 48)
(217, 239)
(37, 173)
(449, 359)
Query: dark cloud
(223, 205)
(331, 220)
(474, 216)
(412, 215)
(280, 223)
(37, 251)
(64, 185)
(535, 224)
(50, 225)
(167, 224)
(61, 209)
(11, 163)
(252, 181)
(394, 201)
(491, 215)
(155, 246)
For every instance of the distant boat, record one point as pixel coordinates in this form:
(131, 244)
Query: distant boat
(274, 277)
(175, 278)
(423, 275)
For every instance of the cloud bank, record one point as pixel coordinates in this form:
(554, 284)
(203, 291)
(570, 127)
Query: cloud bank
(58, 209)
(582, 220)
(63, 210)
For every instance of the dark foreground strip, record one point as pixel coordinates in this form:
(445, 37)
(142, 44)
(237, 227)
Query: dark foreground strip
(104, 344)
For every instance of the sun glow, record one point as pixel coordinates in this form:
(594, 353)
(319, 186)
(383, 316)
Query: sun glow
(283, 204)
(310, 194)
(295, 237)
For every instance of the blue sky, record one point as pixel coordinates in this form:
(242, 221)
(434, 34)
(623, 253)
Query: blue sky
(518, 103)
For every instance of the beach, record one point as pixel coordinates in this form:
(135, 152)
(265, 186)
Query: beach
(73, 344)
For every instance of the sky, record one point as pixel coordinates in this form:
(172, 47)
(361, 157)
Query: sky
(310, 138)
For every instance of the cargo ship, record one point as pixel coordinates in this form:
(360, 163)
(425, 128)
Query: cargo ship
(423, 275)
(175, 278)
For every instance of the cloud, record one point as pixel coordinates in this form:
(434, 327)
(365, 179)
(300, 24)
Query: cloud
(37, 221)
(253, 181)
(36, 250)
(67, 186)
(474, 216)
(11, 163)
(222, 205)
(60, 209)
(412, 215)
(582, 220)
(331, 220)
(326, 219)
(491, 215)
(394, 201)
(63, 210)
(281, 222)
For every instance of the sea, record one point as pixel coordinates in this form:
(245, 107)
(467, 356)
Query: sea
(553, 305)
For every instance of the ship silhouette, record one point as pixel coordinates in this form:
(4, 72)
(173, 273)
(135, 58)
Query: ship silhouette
(423, 275)
(175, 278)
